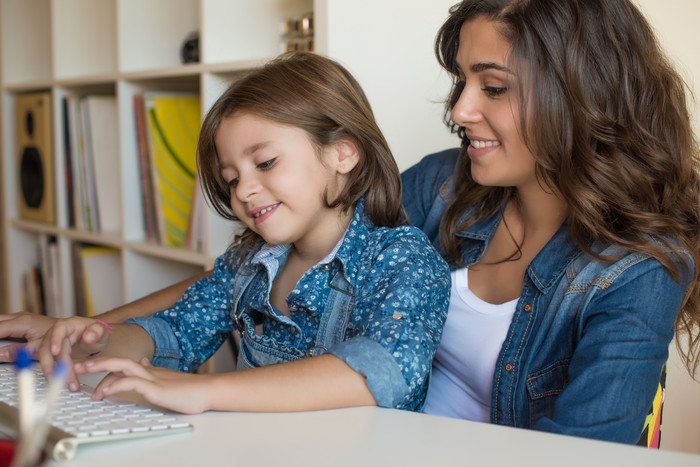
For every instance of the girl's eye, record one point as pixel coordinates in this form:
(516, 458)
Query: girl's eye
(494, 91)
(267, 164)
(232, 184)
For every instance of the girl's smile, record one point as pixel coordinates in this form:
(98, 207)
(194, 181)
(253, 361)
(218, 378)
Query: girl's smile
(279, 182)
(261, 214)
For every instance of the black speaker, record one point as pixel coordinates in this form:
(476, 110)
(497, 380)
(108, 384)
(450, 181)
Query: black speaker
(35, 157)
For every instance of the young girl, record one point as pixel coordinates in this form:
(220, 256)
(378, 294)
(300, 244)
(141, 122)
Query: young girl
(337, 303)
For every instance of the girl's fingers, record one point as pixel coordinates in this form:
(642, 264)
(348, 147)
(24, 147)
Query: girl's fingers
(125, 366)
(110, 387)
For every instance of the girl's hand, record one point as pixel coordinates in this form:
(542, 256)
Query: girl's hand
(173, 390)
(69, 338)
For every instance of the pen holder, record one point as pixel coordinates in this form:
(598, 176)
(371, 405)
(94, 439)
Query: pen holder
(7, 451)
(8, 448)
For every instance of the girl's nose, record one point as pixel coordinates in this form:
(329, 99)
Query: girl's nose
(246, 188)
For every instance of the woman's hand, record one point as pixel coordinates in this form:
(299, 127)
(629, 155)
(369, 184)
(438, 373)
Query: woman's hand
(70, 338)
(27, 328)
(173, 390)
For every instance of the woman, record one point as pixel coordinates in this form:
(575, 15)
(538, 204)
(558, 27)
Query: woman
(569, 216)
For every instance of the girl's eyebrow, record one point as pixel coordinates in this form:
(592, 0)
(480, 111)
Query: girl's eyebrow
(256, 147)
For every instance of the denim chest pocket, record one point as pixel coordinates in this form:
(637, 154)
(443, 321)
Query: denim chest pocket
(544, 386)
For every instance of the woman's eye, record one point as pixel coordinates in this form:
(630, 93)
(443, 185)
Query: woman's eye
(233, 183)
(494, 91)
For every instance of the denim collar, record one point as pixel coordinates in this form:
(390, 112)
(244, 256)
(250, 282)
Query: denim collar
(544, 269)
(274, 256)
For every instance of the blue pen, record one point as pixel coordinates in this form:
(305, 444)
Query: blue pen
(25, 393)
(25, 388)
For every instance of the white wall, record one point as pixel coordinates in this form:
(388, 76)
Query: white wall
(676, 23)
(399, 73)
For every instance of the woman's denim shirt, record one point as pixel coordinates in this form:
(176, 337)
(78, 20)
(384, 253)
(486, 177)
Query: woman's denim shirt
(588, 340)
(378, 301)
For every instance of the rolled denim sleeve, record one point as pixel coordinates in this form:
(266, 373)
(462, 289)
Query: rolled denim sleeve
(187, 334)
(398, 319)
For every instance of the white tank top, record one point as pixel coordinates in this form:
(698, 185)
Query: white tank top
(460, 385)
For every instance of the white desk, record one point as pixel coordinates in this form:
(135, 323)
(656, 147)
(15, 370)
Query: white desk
(364, 437)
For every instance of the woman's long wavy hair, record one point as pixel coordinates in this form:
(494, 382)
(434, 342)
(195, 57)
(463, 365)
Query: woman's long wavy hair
(321, 97)
(608, 125)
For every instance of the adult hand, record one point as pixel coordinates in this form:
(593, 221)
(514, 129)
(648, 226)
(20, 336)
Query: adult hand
(172, 390)
(70, 338)
(27, 328)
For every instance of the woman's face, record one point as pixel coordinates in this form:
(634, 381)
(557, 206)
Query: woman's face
(488, 109)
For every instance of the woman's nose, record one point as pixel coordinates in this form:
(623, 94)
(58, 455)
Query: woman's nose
(466, 110)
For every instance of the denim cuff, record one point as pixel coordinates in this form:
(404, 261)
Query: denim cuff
(167, 348)
(370, 359)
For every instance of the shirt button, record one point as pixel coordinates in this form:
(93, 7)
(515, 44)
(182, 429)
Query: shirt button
(326, 267)
(292, 308)
(509, 367)
(528, 307)
(397, 315)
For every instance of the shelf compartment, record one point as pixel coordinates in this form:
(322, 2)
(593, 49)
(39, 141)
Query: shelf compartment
(26, 39)
(151, 33)
(145, 274)
(243, 30)
(84, 38)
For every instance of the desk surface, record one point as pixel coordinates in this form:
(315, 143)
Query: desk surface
(363, 436)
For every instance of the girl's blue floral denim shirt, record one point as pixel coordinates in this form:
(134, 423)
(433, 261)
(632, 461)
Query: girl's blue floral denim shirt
(588, 339)
(378, 301)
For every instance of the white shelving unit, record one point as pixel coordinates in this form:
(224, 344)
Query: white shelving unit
(124, 47)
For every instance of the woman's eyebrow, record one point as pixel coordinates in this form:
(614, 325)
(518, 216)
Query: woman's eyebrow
(483, 66)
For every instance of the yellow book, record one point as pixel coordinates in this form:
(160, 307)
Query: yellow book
(173, 123)
(102, 279)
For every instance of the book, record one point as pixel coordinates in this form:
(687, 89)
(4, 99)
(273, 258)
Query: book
(76, 175)
(32, 299)
(98, 269)
(172, 131)
(85, 145)
(50, 277)
(101, 125)
(77, 269)
(148, 208)
(68, 161)
(195, 229)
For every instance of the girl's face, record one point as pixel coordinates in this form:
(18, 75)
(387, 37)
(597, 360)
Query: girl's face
(488, 109)
(278, 182)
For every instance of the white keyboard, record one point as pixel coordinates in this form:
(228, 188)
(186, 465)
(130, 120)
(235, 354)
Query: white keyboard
(76, 419)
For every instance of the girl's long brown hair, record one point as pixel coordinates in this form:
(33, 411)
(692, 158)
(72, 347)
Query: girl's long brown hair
(318, 95)
(608, 125)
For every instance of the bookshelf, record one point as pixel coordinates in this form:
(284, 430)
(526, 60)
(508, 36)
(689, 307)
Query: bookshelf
(122, 48)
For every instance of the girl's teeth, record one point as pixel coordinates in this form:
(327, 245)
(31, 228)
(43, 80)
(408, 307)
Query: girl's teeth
(264, 211)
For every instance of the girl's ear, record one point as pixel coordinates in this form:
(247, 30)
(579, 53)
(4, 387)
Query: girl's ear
(347, 156)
